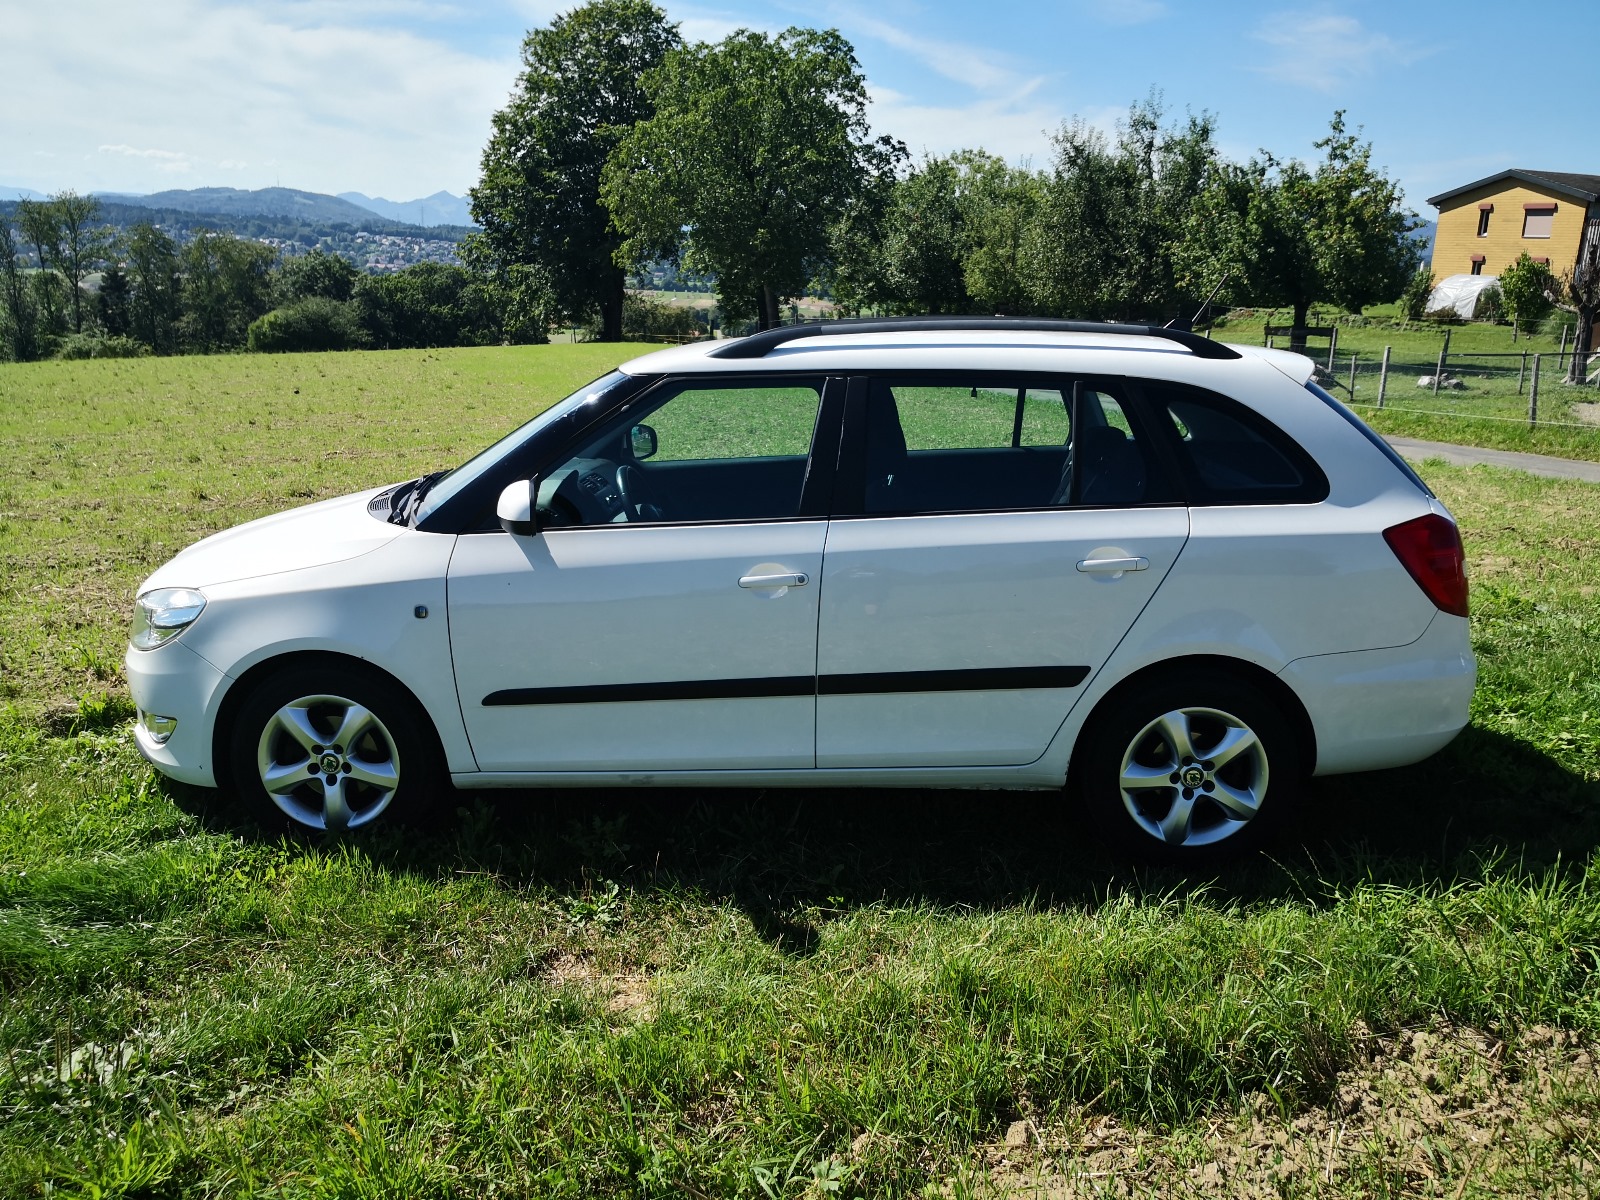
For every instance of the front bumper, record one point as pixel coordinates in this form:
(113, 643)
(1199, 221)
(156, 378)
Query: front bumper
(1373, 709)
(176, 682)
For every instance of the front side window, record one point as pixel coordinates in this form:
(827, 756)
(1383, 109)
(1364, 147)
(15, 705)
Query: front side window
(690, 452)
(987, 444)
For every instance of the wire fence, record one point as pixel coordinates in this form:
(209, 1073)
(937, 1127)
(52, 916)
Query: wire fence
(1525, 387)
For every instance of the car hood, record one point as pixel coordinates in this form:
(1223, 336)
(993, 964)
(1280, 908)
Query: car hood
(313, 536)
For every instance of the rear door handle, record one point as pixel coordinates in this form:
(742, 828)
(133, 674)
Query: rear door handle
(786, 579)
(1112, 566)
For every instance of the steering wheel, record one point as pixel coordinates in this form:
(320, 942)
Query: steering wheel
(637, 501)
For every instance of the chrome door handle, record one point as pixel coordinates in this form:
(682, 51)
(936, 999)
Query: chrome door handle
(787, 579)
(1112, 565)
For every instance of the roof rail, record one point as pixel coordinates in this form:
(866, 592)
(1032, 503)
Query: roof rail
(757, 345)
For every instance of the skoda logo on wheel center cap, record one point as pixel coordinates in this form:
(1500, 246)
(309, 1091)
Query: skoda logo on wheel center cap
(331, 764)
(1193, 777)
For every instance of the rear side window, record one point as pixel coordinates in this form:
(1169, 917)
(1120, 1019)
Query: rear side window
(1372, 436)
(1230, 455)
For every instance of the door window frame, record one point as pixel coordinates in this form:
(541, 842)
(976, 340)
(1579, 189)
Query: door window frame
(849, 494)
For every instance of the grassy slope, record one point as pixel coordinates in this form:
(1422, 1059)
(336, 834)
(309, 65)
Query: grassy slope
(714, 994)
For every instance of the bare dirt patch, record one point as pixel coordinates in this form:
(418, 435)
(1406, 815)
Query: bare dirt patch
(1449, 1112)
(1587, 412)
(626, 994)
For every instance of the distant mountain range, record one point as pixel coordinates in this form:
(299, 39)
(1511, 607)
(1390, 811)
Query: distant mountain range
(441, 208)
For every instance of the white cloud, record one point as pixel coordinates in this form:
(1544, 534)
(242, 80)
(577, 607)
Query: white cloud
(321, 102)
(1324, 52)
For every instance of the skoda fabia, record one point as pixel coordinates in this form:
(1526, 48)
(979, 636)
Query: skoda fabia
(1170, 576)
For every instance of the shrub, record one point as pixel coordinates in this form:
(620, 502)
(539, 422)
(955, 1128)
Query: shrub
(1523, 285)
(91, 345)
(1414, 300)
(1491, 305)
(316, 323)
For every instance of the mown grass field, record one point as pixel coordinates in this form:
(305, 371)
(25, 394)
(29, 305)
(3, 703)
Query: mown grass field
(1490, 408)
(740, 993)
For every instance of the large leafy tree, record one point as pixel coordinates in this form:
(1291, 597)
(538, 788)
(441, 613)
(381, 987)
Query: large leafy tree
(151, 261)
(1112, 213)
(227, 284)
(18, 319)
(757, 148)
(545, 231)
(1287, 235)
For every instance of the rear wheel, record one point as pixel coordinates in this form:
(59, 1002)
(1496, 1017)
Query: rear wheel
(333, 749)
(1189, 771)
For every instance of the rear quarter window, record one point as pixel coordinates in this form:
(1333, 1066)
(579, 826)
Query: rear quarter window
(1229, 454)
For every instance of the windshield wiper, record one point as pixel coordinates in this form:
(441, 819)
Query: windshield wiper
(409, 498)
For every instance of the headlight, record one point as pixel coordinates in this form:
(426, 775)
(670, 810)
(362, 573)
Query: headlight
(163, 614)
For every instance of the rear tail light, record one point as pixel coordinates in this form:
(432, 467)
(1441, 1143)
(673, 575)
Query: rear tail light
(1430, 548)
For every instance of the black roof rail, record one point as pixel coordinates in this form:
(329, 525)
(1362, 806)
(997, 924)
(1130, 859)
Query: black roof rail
(757, 345)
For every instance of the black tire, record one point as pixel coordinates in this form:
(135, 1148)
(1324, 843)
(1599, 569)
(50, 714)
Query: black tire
(329, 697)
(1135, 730)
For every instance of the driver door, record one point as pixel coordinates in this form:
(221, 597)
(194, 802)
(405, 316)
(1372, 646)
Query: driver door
(665, 617)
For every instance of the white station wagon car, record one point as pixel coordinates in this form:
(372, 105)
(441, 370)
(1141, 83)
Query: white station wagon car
(1172, 576)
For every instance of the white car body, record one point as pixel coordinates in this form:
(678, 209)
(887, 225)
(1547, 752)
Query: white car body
(1308, 594)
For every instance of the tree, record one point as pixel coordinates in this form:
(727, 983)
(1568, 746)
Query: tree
(757, 147)
(1578, 292)
(114, 301)
(16, 300)
(42, 231)
(428, 304)
(545, 230)
(311, 323)
(925, 242)
(1285, 235)
(1523, 288)
(81, 245)
(226, 285)
(320, 274)
(1414, 299)
(155, 305)
(1000, 205)
(1112, 216)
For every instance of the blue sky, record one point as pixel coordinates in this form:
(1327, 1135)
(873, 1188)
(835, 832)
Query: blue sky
(393, 97)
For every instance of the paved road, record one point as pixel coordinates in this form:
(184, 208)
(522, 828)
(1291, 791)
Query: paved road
(1537, 464)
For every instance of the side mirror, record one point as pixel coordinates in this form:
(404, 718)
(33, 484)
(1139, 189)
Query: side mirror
(642, 441)
(516, 508)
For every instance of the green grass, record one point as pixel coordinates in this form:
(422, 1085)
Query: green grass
(681, 993)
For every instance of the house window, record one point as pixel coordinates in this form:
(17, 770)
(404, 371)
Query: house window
(1538, 220)
(1483, 219)
(1477, 264)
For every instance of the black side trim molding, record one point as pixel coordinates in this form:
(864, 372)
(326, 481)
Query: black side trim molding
(689, 689)
(983, 679)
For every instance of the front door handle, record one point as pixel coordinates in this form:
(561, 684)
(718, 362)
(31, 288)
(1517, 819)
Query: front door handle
(785, 579)
(1112, 566)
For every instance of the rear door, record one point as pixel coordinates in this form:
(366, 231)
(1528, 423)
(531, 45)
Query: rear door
(994, 538)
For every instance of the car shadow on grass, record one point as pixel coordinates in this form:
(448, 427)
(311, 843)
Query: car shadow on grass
(1486, 806)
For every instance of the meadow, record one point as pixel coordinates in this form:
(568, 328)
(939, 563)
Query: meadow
(742, 993)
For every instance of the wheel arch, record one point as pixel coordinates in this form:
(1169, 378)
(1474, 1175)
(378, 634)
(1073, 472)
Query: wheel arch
(1270, 685)
(233, 699)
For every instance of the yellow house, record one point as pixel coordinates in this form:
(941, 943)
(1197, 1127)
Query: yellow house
(1485, 226)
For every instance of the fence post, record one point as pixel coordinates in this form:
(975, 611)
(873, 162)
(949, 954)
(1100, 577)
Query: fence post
(1439, 370)
(1352, 376)
(1383, 375)
(1561, 362)
(1513, 331)
(1333, 344)
(1522, 371)
(1533, 395)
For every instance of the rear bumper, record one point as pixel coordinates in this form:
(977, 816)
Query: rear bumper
(176, 682)
(1386, 708)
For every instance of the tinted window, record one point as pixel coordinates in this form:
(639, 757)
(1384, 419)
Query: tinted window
(690, 452)
(986, 445)
(1229, 454)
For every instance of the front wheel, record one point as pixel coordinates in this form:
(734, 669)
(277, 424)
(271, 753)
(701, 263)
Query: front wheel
(1188, 772)
(332, 750)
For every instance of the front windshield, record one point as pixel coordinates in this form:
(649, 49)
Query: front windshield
(452, 483)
